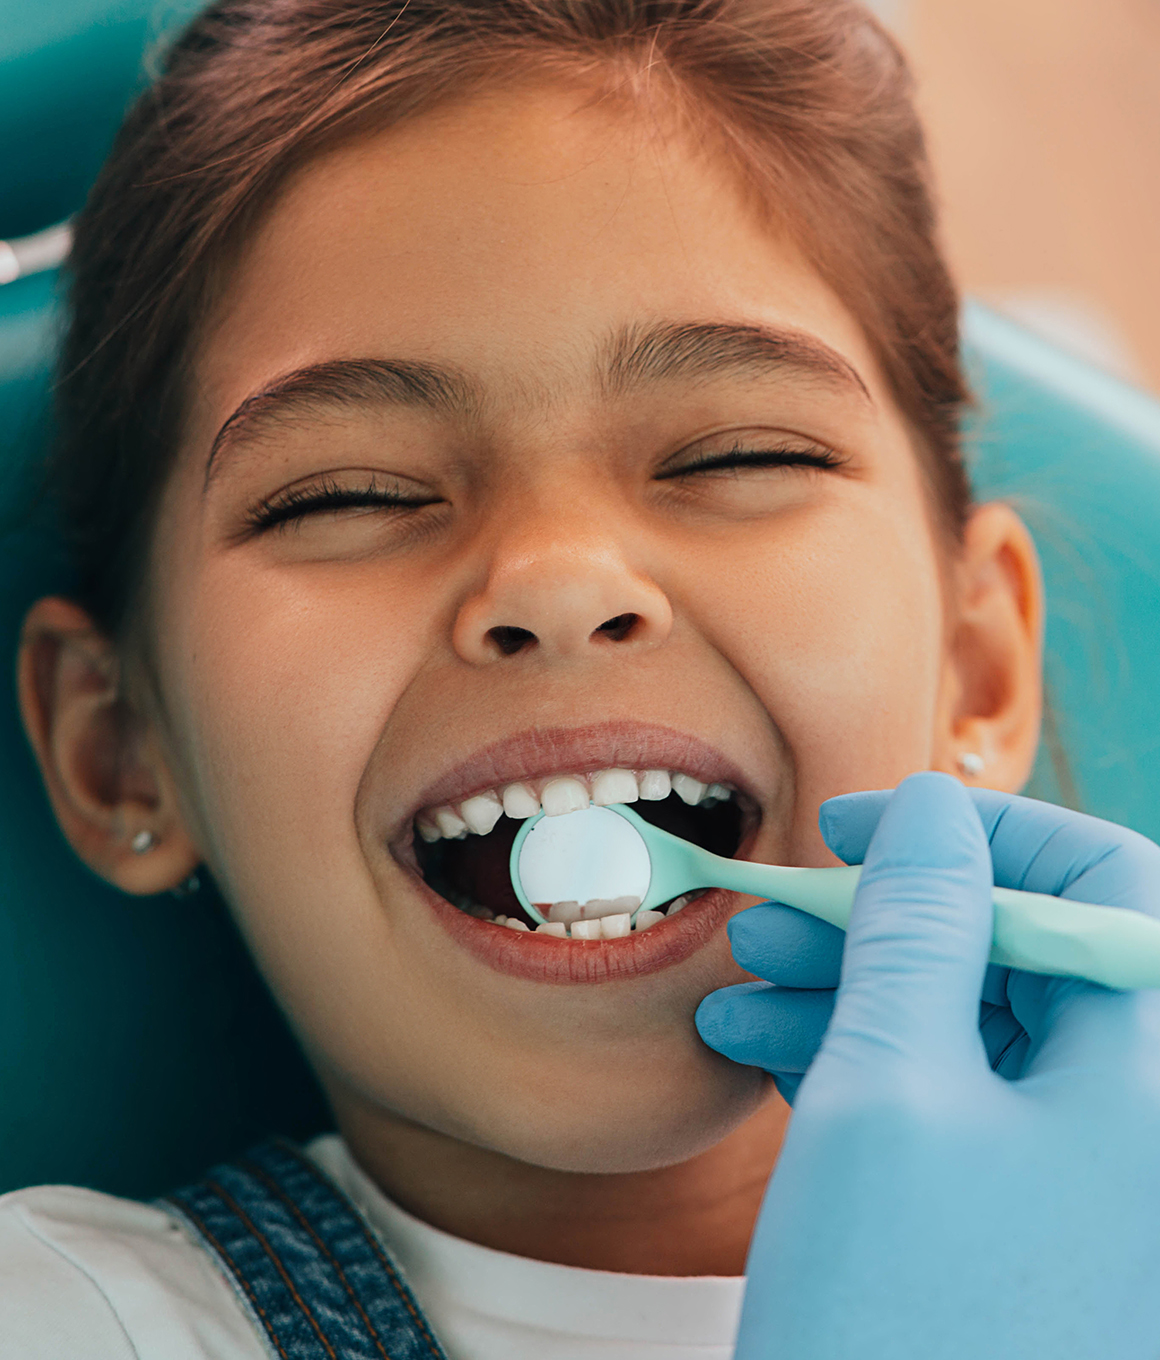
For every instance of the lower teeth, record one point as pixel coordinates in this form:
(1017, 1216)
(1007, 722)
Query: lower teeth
(619, 924)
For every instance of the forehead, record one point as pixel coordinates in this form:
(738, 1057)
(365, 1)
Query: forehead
(507, 237)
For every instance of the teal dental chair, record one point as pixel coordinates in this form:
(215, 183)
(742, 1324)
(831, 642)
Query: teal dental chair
(137, 1044)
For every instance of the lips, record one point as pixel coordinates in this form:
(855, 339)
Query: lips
(466, 817)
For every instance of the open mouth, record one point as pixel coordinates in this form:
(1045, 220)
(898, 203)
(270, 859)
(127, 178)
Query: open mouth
(463, 849)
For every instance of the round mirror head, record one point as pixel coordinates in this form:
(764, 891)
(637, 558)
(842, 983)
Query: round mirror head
(587, 856)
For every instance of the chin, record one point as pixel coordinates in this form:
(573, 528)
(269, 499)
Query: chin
(639, 1122)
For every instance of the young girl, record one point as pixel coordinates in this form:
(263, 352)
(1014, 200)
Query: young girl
(479, 406)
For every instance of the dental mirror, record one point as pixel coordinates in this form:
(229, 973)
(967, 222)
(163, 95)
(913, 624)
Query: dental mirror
(600, 860)
(581, 857)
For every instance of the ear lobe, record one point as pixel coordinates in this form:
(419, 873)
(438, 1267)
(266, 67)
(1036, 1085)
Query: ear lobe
(992, 693)
(100, 761)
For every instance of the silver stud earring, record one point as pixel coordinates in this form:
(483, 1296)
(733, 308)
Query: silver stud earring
(971, 763)
(143, 842)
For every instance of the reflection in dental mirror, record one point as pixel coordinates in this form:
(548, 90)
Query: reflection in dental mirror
(590, 856)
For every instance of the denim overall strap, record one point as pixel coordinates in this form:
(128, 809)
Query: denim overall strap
(305, 1261)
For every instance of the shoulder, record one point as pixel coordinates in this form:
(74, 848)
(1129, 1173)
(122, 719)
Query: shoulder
(95, 1277)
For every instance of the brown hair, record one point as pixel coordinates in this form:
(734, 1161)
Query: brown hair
(810, 97)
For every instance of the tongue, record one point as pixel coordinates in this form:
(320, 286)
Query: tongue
(480, 867)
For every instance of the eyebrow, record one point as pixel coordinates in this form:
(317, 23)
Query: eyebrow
(634, 357)
(638, 355)
(352, 384)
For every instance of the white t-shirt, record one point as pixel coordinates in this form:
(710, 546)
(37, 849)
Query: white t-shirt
(91, 1277)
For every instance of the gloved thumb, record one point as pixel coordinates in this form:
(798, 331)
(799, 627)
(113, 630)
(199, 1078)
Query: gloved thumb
(919, 933)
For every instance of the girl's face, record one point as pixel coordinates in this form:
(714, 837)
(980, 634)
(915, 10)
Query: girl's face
(519, 447)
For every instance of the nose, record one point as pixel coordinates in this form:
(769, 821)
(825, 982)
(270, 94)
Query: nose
(562, 591)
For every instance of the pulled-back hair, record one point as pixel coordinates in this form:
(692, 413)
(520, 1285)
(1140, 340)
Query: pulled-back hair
(810, 98)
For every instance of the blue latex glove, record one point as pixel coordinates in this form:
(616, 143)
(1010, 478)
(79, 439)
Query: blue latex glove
(924, 1207)
(780, 1026)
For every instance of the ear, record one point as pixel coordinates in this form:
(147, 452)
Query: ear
(100, 760)
(991, 699)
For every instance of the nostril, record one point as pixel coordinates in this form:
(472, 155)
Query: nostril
(510, 640)
(618, 628)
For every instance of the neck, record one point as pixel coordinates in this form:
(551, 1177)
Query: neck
(695, 1218)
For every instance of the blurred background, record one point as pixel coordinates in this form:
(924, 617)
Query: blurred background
(1043, 117)
(1044, 125)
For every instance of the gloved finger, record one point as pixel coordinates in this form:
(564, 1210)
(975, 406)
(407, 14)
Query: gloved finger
(1035, 999)
(760, 1025)
(787, 946)
(995, 984)
(1048, 849)
(919, 933)
(848, 821)
(1005, 1040)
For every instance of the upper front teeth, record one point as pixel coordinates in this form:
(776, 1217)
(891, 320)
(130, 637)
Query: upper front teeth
(616, 786)
(560, 794)
(482, 812)
(520, 801)
(655, 785)
(688, 789)
(563, 795)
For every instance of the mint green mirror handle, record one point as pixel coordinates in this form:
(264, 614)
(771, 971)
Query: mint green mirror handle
(1042, 934)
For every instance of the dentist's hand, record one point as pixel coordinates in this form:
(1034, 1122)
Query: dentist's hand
(924, 1206)
(778, 1024)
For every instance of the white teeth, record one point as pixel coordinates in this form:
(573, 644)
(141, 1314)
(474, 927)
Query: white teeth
(610, 926)
(450, 823)
(614, 927)
(678, 903)
(481, 812)
(559, 796)
(593, 910)
(519, 801)
(688, 789)
(655, 785)
(614, 786)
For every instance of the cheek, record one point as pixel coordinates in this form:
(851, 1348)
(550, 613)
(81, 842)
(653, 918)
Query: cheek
(284, 682)
(837, 625)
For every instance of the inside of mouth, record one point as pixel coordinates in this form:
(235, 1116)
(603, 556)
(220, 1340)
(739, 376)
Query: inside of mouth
(474, 875)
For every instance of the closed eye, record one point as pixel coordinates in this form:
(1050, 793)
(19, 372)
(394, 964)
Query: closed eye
(737, 459)
(330, 497)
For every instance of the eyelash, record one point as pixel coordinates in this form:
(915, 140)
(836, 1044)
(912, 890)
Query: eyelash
(741, 457)
(328, 495)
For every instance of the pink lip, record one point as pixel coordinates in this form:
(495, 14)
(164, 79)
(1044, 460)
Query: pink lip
(544, 958)
(542, 751)
(579, 750)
